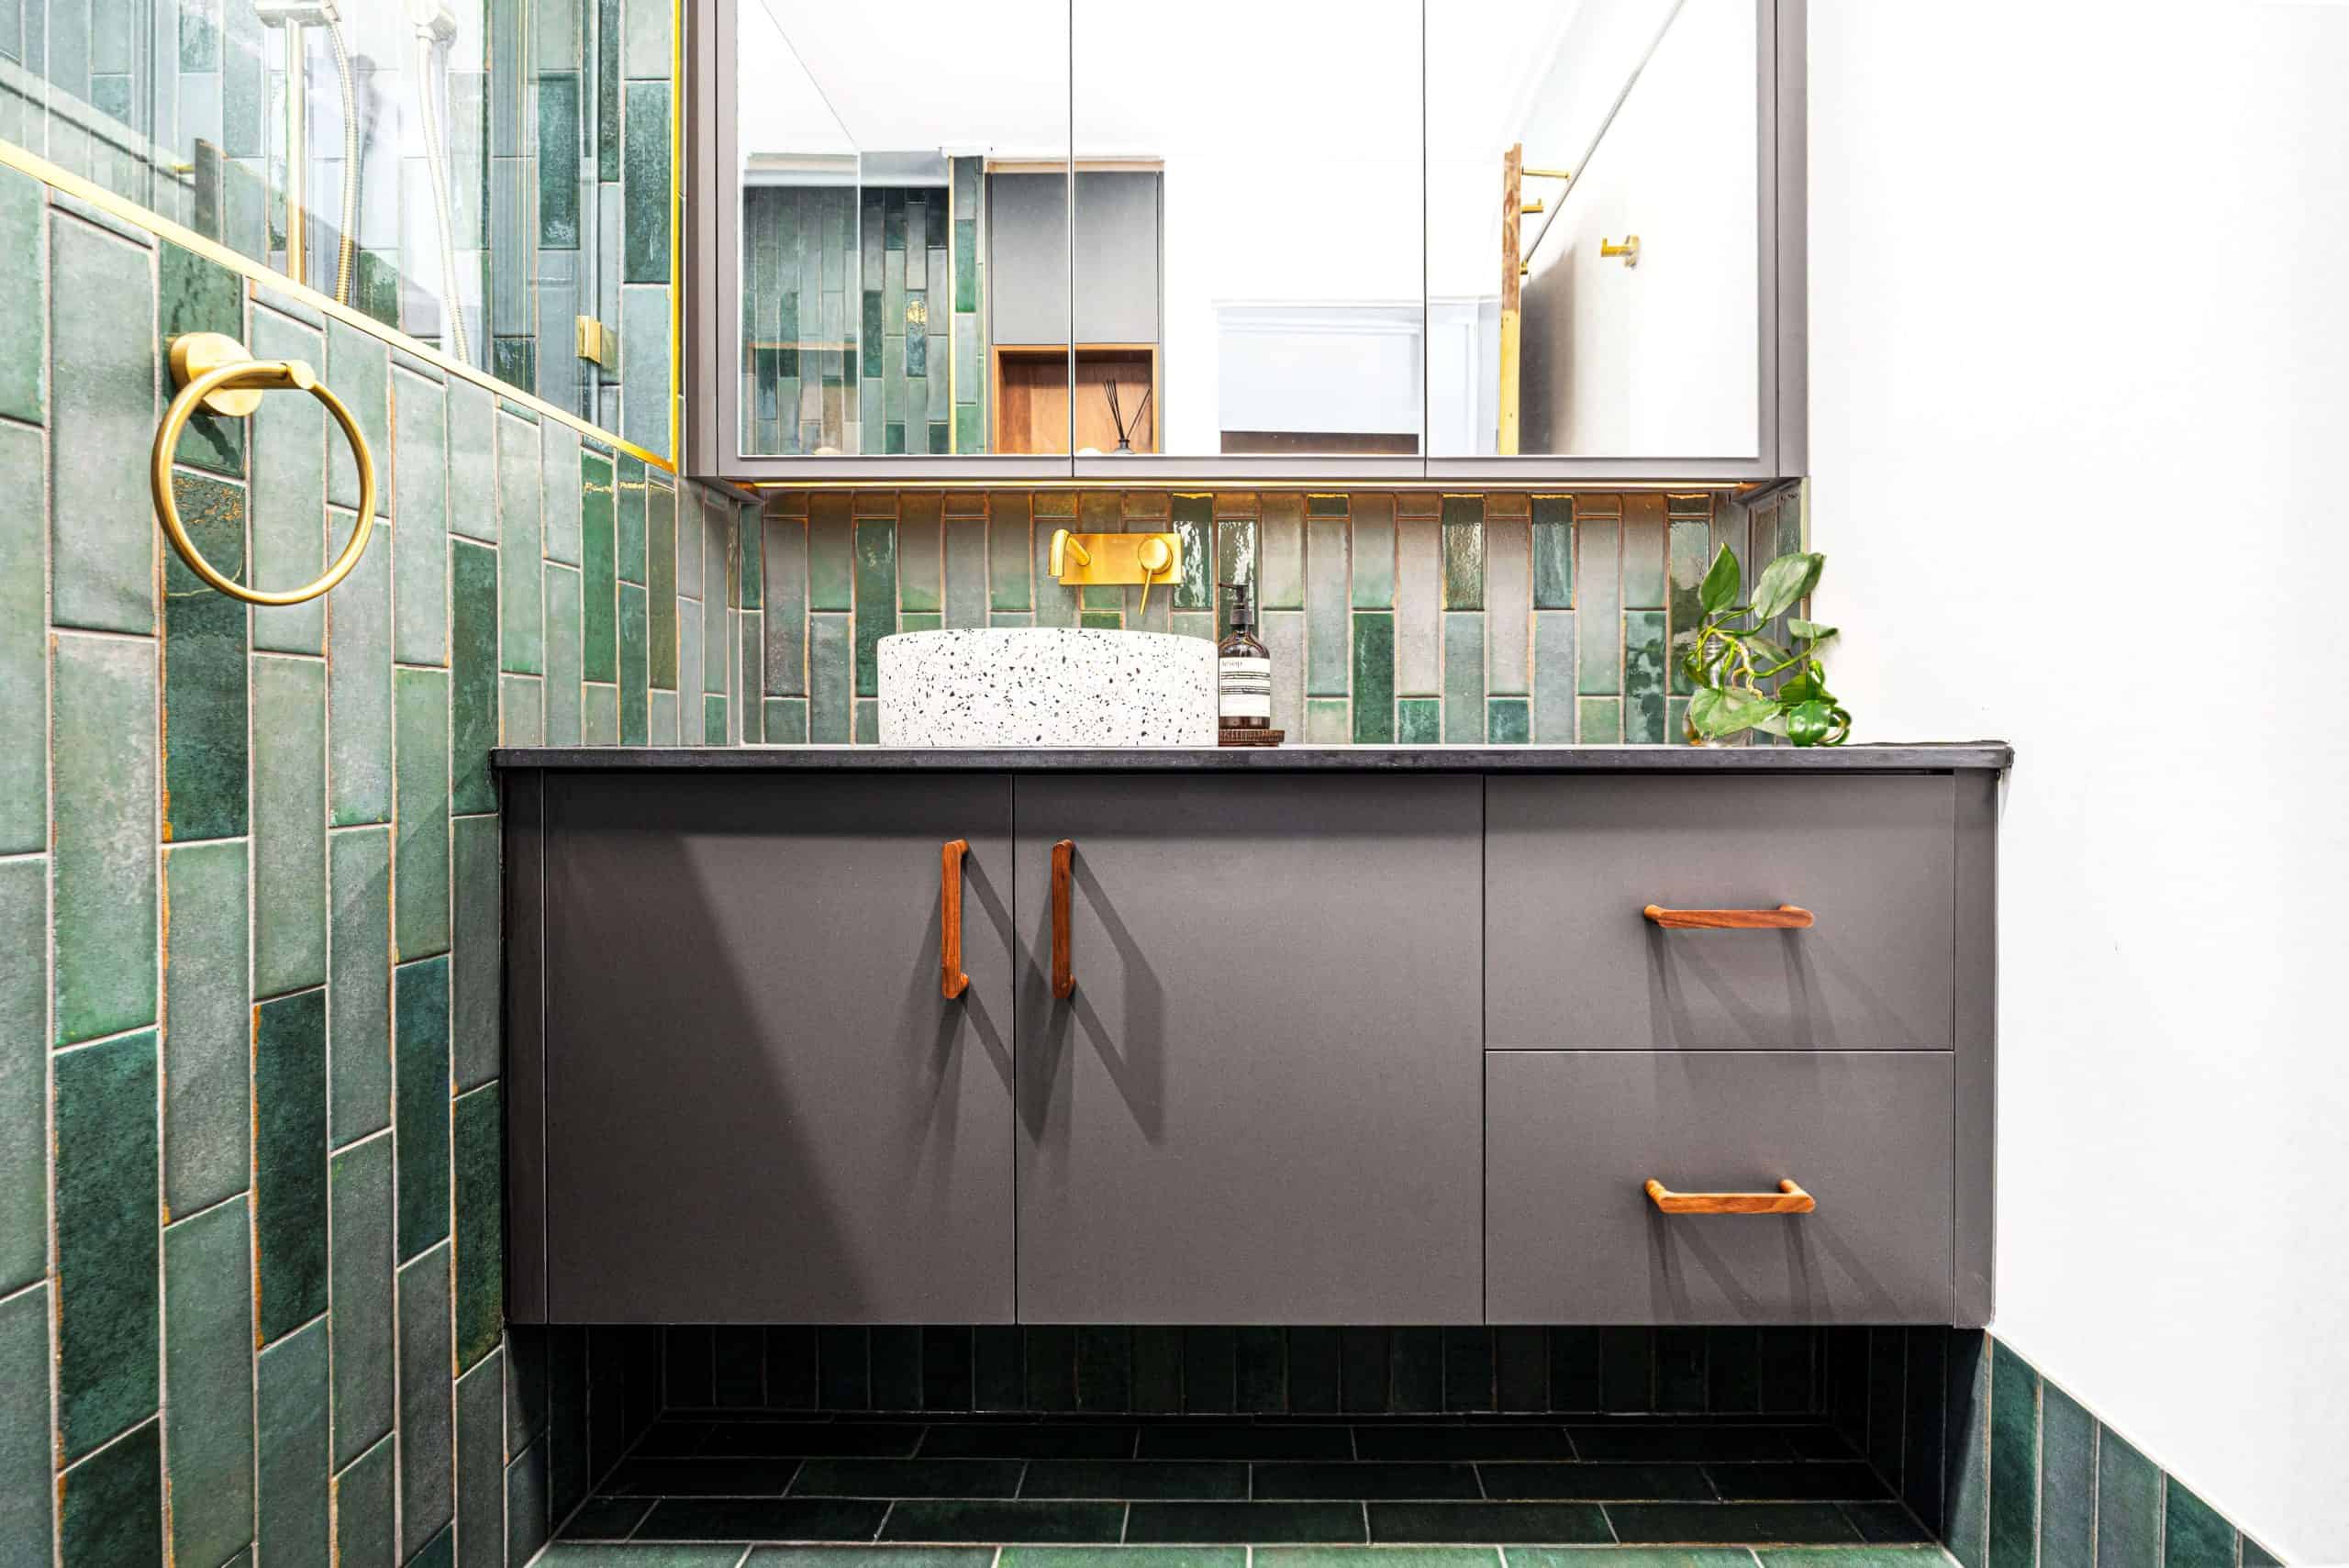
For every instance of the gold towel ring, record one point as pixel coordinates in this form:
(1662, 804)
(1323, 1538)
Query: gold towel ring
(214, 372)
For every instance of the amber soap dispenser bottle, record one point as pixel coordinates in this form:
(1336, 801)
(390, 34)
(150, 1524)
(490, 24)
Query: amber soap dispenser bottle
(1243, 677)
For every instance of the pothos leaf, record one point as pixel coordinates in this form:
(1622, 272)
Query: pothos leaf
(1718, 592)
(1785, 581)
(1810, 628)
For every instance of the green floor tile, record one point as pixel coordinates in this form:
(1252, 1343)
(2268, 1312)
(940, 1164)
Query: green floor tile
(105, 860)
(208, 1358)
(108, 1316)
(207, 1026)
(290, 1161)
(1626, 1557)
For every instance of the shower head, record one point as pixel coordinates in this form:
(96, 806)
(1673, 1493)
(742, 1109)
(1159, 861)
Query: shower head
(433, 20)
(299, 13)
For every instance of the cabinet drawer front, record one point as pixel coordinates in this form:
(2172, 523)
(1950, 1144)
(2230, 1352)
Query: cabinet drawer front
(1571, 962)
(1572, 1137)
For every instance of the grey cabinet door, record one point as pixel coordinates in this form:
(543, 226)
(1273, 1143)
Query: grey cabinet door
(1261, 1102)
(759, 1105)
(1571, 1236)
(1570, 962)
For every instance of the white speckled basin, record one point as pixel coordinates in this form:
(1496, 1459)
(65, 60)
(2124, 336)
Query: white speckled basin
(1046, 686)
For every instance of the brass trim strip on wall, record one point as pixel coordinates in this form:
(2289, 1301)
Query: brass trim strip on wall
(106, 201)
(1317, 484)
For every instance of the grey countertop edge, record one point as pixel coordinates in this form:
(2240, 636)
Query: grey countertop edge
(1957, 756)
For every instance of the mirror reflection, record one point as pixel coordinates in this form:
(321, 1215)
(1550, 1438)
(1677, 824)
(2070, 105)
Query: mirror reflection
(1593, 248)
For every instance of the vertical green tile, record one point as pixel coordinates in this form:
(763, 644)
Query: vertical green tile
(563, 655)
(290, 1161)
(1644, 551)
(24, 1103)
(104, 751)
(290, 1404)
(750, 543)
(24, 632)
(108, 1319)
(561, 495)
(420, 1103)
(785, 558)
(111, 1509)
(208, 1361)
(480, 1466)
(602, 714)
(425, 1394)
(421, 806)
(420, 521)
(1235, 562)
(521, 613)
(1643, 676)
(476, 1153)
(359, 368)
(1056, 604)
(868, 723)
(365, 1510)
(1554, 552)
(2128, 1505)
(1675, 721)
(1280, 537)
(921, 552)
(27, 1477)
(1102, 620)
(786, 722)
(1327, 569)
(1374, 677)
(965, 572)
(1554, 677)
(2014, 1459)
(24, 381)
(1463, 676)
(102, 379)
(1599, 544)
(831, 554)
(1966, 1523)
(473, 462)
(474, 951)
(2066, 1480)
(1508, 626)
(1193, 522)
(1328, 721)
(473, 675)
(1598, 721)
(288, 500)
(1688, 565)
(1419, 604)
(207, 1026)
(644, 182)
(203, 670)
(661, 584)
(1508, 721)
(359, 690)
(290, 826)
(635, 630)
(876, 609)
(1373, 550)
(717, 626)
(359, 878)
(598, 573)
(358, 1187)
(2193, 1533)
(1464, 553)
(831, 681)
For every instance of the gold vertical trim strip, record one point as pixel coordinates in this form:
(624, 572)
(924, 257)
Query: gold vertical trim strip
(297, 156)
(676, 234)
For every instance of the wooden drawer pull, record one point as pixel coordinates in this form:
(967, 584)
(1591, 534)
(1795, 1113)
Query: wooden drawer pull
(1064, 979)
(951, 981)
(1785, 917)
(1788, 1199)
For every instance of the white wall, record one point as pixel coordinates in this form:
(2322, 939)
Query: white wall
(2080, 410)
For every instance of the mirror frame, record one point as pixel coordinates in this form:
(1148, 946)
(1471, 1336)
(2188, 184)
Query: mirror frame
(712, 238)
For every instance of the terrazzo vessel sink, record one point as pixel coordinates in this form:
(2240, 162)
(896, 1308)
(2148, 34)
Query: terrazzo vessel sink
(1046, 686)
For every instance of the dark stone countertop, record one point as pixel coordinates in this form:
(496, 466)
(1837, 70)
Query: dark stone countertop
(1948, 757)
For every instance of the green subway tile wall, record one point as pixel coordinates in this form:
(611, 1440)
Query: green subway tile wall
(2007, 1469)
(1392, 617)
(251, 1225)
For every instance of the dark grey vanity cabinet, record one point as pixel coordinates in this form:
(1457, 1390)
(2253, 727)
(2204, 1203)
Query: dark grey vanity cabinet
(1260, 1101)
(758, 1106)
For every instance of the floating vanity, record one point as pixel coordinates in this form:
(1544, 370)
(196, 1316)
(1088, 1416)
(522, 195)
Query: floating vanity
(1353, 1035)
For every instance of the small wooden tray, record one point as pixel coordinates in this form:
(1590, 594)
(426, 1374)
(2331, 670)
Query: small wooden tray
(1248, 736)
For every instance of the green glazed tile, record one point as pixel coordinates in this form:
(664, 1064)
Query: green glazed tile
(102, 379)
(2014, 1459)
(1279, 537)
(562, 712)
(1598, 721)
(1643, 552)
(473, 462)
(560, 457)
(716, 622)
(831, 554)
(868, 723)
(1463, 677)
(24, 631)
(359, 368)
(2257, 1556)
(1373, 550)
(420, 806)
(647, 1554)
(290, 1404)
(965, 572)
(1192, 521)
(602, 715)
(521, 612)
(1328, 566)
(1554, 677)
(1102, 620)
(1627, 1557)
(598, 574)
(1419, 606)
(23, 367)
(358, 689)
(525, 1506)
(24, 1089)
(207, 1025)
(644, 181)
(1056, 602)
(910, 621)
(1379, 1557)
(425, 1402)
(876, 610)
(420, 519)
(195, 295)
(921, 552)
(290, 826)
(1508, 721)
(472, 677)
(635, 630)
(521, 710)
(1006, 1521)
(1374, 677)
(290, 1161)
(289, 493)
(646, 405)
(208, 1359)
(111, 1507)
(1801, 1524)
(363, 1509)
(2066, 1481)
(105, 865)
(1644, 677)
(1554, 552)
(1598, 543)
(558, 172)
(27, 1484)
(108, 1319)
(970, 424)
(2193, 1534)
(476, 1152)
(1675, 721)
(420, 1108)
(1283, 633)
(1689, 563)
(783, 557)
(1464, 553)
(1966, 1524)
(1328, 721)
(661, 585)
(1918, 1556)
(359, 1181)
(749, 566)
(475, 952)
(1419, 721)
(1065, 1557)
(480, 1464)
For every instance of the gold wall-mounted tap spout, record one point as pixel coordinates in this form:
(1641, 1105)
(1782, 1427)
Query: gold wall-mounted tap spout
(1081, 560)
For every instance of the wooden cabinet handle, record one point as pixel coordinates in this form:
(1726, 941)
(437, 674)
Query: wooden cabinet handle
(1063, 980)
(1785, 917)
(951, 981)
(1788, 1199)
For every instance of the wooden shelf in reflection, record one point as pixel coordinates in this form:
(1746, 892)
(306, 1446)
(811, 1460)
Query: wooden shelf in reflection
(1031, 390)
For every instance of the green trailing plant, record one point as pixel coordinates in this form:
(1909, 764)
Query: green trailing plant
(1745, 679)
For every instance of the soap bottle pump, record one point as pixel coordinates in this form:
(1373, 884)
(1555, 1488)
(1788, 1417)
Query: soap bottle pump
(1243, 680)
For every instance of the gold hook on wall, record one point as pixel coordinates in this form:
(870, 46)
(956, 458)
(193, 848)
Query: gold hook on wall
(1628, 250)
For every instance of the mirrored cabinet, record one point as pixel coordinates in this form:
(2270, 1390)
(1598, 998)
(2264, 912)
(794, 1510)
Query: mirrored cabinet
(1481, 239)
